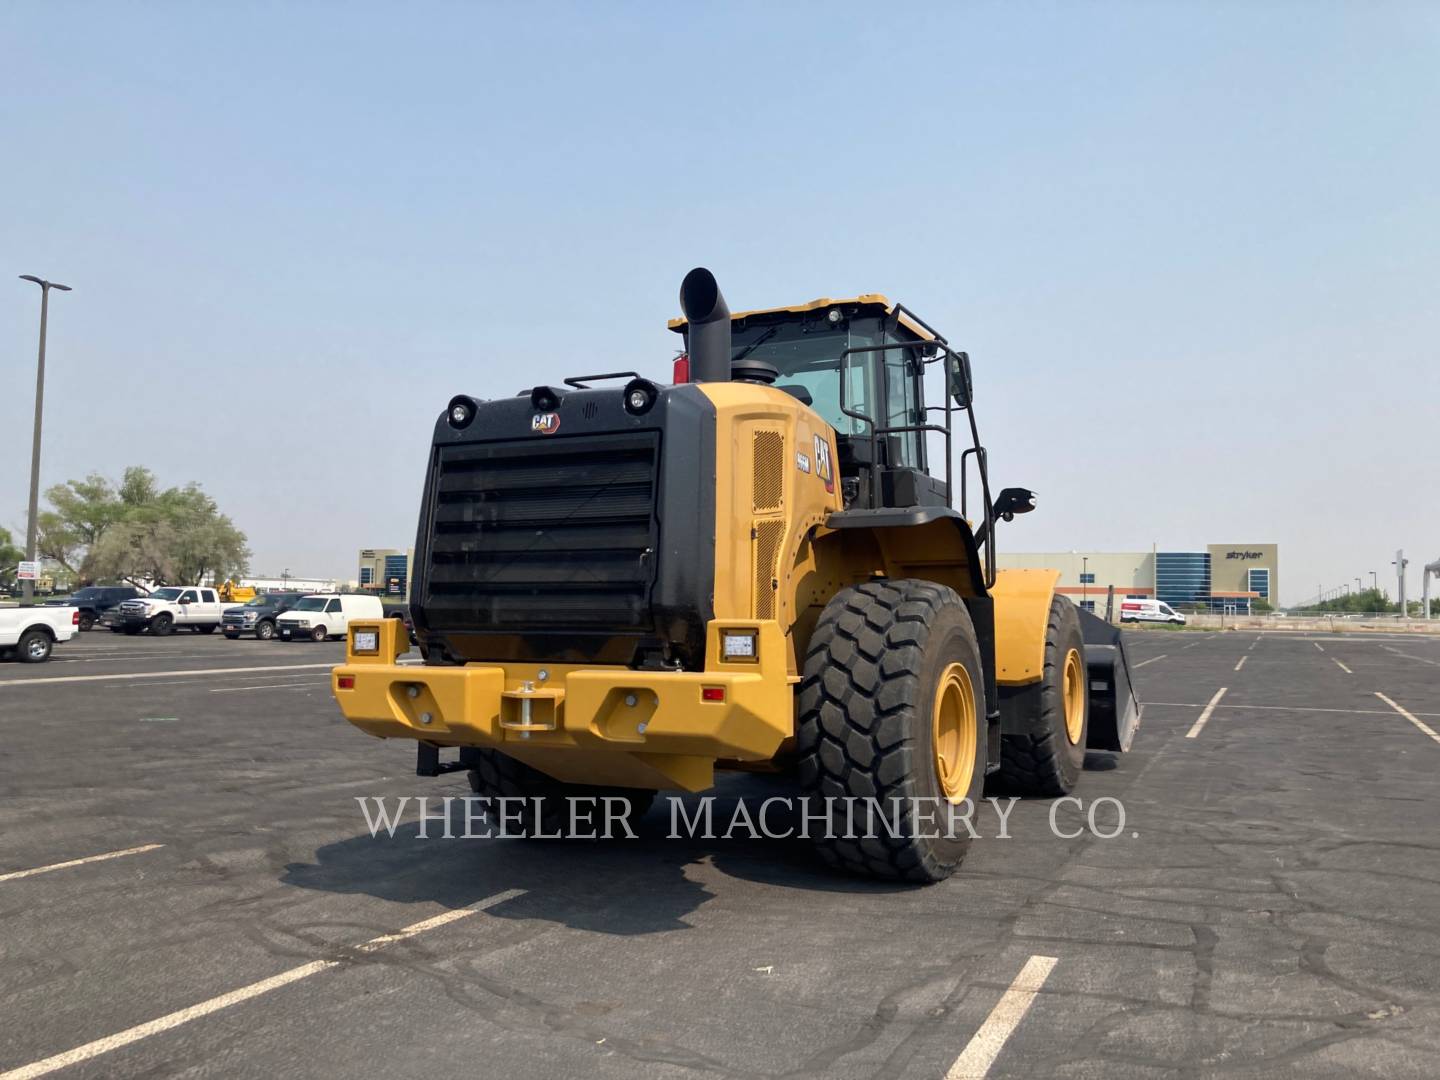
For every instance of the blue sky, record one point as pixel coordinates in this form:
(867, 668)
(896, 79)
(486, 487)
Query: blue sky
(1192, 249)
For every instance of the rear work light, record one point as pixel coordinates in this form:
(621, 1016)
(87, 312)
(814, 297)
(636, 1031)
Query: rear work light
(345, 682)
(712, 693)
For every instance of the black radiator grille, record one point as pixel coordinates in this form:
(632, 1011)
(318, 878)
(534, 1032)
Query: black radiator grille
(544, 535)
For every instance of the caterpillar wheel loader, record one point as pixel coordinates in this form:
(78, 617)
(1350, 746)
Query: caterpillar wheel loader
(621, 587)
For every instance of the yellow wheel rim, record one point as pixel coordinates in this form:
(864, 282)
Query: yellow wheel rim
(955, 732)
(1074, 696)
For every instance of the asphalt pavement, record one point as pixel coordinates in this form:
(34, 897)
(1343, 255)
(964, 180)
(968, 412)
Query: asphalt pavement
(188, 888)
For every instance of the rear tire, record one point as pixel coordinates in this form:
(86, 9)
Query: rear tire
(162, 625)
(86, 622)
(498, 775)
(34, 647)
(1048, 759)
(892, 706)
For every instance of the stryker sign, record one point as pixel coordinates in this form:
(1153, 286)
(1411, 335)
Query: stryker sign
(1244, 554)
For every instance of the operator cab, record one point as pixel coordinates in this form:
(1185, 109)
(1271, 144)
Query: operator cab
(859, 363)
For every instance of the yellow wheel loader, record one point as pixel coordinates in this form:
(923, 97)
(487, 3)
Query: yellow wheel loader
(621, 587)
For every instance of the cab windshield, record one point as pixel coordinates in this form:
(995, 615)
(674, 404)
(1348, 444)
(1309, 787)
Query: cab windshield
(166, 594)
(311, 603)
(883, 383)
(809, 357)
(261, 601)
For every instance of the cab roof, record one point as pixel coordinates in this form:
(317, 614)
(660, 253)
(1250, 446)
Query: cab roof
(866, 300)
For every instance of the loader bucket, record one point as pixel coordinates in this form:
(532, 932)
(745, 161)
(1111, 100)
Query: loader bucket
(1114, 712)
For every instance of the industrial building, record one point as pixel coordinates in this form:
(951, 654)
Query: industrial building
(386, 571)
(1229, 578)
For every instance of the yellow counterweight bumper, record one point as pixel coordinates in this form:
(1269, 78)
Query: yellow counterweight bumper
(584, 724)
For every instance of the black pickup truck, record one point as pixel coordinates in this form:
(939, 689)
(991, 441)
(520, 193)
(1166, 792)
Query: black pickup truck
(257, 616)
(95, 600)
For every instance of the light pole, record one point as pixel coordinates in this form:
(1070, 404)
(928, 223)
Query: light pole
(1374, 582)
(27, 595)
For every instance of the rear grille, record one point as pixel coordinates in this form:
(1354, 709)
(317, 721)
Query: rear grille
(544, 536)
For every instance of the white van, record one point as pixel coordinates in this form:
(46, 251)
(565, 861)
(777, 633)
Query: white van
(1137, 609)
(326, 615)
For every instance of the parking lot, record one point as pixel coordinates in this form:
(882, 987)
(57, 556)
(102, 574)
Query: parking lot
(189, 888)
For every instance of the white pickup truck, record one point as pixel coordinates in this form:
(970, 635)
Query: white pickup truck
(164, 609)
(29, 633)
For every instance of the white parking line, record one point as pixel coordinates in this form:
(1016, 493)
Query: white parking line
(58, 659)
(1426, 728)
(14, 875)
(985, 1046)
(1152, 660)
(266, 686)
(162, 674)
(1205, 716)
(1318, 645)
(1241, 663)
(1280, 708)
(195, 1012)
(1407, 656)
(1343, 667)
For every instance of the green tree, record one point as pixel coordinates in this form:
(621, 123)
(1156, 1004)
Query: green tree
(137, 532)
(10, 555)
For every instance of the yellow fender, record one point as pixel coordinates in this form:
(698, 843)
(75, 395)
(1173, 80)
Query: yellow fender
(1022, 612)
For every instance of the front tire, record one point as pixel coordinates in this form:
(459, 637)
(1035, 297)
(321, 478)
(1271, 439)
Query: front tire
(162, 625)
(1047, 759)
(498, 775)
(264, 631)
(320, 633)
(34, 647)
(892, 706)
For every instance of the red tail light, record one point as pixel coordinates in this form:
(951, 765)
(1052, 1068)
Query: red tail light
(75, 619)
(712, 693)
(682, 368)
(345, 682)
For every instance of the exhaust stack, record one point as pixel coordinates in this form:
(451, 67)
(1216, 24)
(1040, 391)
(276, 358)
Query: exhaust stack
(709, 326)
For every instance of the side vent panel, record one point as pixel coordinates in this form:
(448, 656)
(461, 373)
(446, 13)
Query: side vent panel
(769, 535)
(768, 471)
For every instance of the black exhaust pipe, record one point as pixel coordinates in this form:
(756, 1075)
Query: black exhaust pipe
(709, 326)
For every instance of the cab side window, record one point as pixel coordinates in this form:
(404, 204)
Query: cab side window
(333, 605)
(208, 595)
(188, 596)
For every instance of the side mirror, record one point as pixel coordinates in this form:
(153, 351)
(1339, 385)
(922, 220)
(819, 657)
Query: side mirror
(957, 372)
(1012, 501)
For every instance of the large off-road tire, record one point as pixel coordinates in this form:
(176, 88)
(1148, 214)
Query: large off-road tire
(34, 647)
(1047, 759)
(498, 775)
(162, 625)
(892, 706)
(87, 621)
